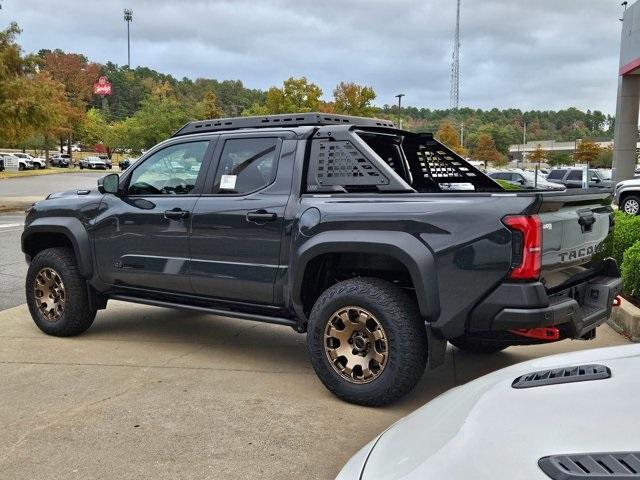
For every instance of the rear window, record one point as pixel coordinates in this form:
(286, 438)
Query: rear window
(556, 174)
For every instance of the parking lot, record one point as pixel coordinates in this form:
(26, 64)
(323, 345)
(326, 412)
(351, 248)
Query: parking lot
(155, 393)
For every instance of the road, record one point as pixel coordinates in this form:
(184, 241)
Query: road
(42, 185)
(12, 265)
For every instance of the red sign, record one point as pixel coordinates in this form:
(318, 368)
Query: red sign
(102, 87)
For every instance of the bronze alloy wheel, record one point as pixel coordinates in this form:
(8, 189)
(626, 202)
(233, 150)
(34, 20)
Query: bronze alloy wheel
(356, 345)
(49, 294)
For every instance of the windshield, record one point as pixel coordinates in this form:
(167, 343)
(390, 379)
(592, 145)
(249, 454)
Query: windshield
(604, 174)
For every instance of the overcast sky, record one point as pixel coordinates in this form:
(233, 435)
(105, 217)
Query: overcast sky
(543, 54)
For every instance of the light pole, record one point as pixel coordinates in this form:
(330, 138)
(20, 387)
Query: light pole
(399, 97)
(128, 17)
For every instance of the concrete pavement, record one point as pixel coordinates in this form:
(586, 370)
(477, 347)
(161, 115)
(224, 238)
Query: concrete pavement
(154, 393)
(13, 268)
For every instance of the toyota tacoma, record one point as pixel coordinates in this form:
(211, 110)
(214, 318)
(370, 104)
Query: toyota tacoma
(380, 244)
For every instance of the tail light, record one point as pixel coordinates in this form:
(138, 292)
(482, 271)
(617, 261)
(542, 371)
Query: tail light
(527, 246)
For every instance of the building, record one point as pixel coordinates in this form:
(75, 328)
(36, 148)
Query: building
(626, 131)
(516, 152)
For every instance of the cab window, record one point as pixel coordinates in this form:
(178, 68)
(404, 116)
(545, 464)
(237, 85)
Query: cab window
(170, 171)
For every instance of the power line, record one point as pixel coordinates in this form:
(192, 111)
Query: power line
(454, 98)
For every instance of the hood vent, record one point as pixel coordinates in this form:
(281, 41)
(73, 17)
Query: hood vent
(592, 466)
(580, 373)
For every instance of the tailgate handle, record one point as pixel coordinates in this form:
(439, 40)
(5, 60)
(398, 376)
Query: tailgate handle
(586, 221)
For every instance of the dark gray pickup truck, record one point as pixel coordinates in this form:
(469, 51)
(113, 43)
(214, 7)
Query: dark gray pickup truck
(381, 244)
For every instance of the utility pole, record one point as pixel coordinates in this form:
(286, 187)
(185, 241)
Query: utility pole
(462, 134)
(454, 98)
(128, 17)
(399, 97)
(524, 141)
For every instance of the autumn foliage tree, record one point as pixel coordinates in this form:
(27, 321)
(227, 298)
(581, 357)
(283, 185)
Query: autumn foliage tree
(486, 151)
(448, 135)
(77, 75)
(352, 99)
(587, 151)
(538, 156)
(296, 95)
(31, 101)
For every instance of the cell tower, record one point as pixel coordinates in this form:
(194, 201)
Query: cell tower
(454, 98)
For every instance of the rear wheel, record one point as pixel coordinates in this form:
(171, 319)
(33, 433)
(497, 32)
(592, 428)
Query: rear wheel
(57, 294)
(478, 345)
(367, 341)
(631, 205)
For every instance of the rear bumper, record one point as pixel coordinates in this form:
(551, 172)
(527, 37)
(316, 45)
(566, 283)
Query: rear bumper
(577, 308)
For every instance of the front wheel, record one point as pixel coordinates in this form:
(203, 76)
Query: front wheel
(57, 294)
(631, 205)
(367, 341)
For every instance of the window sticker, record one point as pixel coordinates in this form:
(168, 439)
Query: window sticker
(228, 182)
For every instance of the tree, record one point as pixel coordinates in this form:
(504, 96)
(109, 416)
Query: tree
(78, 76)
(587, 152)
(353, 99)
(208, 107)
(448, 135)
(557, 159)
(605, 158)
(486, 151)
(160, 115)
(31, 102)
(296, 95)
(538, 156)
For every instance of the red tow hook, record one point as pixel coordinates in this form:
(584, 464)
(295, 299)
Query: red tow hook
(541, 333)
(617, 301)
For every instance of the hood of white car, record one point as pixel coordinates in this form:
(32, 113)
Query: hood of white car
(486, 429)
(630, 182)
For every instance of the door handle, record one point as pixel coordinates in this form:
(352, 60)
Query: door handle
(176, 214)
(261, 216)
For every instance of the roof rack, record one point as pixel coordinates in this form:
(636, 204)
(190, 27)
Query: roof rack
(288, 120)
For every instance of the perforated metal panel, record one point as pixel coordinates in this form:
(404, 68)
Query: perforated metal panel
(339, 163)
(443, 167)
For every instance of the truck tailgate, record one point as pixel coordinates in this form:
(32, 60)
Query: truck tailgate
(573, 225)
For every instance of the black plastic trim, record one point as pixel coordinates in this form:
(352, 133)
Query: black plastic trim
(592, 466)
(557, 376)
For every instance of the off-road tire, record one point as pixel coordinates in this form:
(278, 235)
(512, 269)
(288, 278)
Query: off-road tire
(78, 314)
(405, 332)
(478, 345)
(631, 203)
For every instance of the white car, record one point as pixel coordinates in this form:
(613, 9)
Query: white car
(566, 416)
(94, 163)
(23, 163)
(36, 162)
(627, 196)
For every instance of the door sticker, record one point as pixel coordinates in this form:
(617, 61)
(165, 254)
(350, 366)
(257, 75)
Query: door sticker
(228, 182)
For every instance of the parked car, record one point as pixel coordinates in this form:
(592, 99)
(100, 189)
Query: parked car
(60, 160)
(526, 421)
(23, 163)
(525, 180)
(627, 196)
(1, 164)
(572, 178)
(341, 227)
(36, 162)
(106, 160)
(93, 163)
(74, 148)
(126, 163)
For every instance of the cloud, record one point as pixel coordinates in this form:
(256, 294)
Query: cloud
(542, 55)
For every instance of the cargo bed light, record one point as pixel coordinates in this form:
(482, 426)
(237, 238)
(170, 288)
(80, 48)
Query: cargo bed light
(527, 239)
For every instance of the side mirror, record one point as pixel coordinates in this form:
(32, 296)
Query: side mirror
(595, 179)
(109, 183)
(521, 181)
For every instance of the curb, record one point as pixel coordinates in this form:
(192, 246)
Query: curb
(625, 320)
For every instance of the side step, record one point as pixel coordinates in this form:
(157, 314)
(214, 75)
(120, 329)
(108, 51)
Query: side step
(289, 322)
